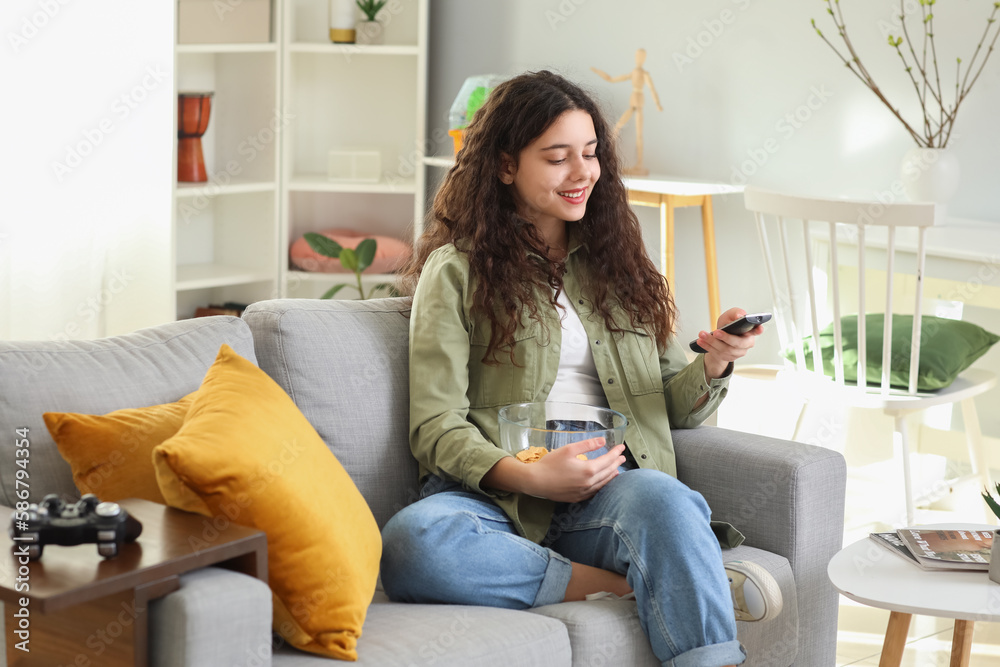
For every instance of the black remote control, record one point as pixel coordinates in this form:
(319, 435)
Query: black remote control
(737, 327)
(87, 521)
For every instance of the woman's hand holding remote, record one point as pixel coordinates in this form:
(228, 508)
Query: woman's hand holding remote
(723, 348)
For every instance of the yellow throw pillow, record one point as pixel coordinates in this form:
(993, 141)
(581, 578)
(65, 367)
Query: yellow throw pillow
(246, 453)
(111, 455)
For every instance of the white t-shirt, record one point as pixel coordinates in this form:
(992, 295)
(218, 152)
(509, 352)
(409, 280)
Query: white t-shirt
(577, 380)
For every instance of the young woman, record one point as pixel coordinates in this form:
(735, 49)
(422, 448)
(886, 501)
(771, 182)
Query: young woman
(531, 284)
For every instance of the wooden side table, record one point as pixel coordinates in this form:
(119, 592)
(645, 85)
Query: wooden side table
(85, 610)
(668, 194)
(869, 574)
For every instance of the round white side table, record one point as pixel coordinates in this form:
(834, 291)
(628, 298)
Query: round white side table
(871, 575)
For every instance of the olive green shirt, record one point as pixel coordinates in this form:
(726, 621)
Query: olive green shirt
(455, 397)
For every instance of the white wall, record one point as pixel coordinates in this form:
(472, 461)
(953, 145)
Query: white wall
(734, 94)
(86, 167)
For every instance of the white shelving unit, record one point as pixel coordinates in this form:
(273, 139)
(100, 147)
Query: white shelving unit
(350, 97)
(225, 235)
(278, 109)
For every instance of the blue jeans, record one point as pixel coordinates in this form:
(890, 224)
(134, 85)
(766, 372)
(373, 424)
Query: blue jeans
(458, 547)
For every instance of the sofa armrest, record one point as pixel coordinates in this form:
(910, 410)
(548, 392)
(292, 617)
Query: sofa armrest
(787, 498)
(218, 618)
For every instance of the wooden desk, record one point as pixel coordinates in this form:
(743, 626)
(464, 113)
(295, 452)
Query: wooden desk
(667, 194)
(84, 609)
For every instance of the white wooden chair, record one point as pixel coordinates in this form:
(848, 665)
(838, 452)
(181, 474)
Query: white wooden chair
(806, 300)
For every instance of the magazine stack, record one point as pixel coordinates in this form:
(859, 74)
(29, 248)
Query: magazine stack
(940, 549)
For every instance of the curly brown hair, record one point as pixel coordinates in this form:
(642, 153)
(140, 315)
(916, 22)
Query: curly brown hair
(477, 212)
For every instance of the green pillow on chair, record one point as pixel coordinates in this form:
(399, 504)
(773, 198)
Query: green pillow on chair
(947, 348)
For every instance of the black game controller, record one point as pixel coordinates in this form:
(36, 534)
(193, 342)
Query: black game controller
(87, 521)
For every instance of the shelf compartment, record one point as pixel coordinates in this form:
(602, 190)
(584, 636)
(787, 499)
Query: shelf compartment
(309, 22)
(232, 230)
(244, 125)
(188, 301)
(367, 213)
(205, 276)
(357, 104)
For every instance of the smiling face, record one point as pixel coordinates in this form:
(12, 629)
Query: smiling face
(556, 172)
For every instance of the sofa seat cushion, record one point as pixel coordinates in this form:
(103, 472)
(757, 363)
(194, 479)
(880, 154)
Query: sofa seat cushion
(398, 634)
(608, 631)
(148, 367)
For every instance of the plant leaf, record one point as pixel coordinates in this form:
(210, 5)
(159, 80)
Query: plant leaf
(348, 259)
(333, 290)
(389, 288)
(323, 245)
(994, 506)
(366, 253)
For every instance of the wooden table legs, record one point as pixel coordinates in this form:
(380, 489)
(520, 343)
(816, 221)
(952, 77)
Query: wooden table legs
(711, 267)
(667, 203)
(895, 641)
(961, 644)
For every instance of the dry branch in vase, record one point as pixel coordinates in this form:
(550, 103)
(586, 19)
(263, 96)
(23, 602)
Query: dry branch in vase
(938, 113)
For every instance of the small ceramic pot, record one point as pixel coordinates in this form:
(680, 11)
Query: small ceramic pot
(369, 32)
(930, 175)
(995, 557)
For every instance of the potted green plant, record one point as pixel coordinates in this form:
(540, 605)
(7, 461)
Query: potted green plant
(994, 506)
(928, 172)
(355, 260)
(370, 31)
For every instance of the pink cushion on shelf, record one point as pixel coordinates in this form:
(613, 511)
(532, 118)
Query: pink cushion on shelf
(390, 254)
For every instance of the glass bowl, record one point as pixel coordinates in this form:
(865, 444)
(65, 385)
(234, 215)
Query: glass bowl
(552, 425)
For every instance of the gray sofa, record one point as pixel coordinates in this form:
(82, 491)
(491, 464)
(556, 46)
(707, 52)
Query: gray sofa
(345, 365)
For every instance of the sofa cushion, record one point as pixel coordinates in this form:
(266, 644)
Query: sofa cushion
(246, 454)
(147, 367)
(112, 455)
(399, 634)
(608, 630)
(947, 348)
(346, 366)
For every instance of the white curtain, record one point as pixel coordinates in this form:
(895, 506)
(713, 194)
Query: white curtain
(85, 167)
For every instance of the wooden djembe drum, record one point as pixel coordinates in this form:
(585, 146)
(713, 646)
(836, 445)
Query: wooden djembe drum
(192, 121)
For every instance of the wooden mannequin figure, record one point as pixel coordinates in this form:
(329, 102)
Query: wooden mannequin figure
(640, 78)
